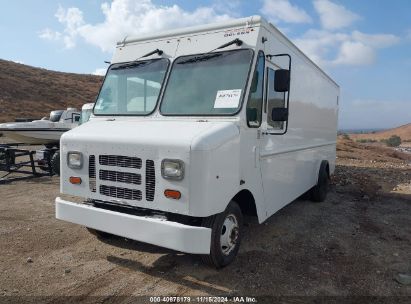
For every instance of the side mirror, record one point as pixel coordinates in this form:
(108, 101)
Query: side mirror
(254, 83)
(279, 114)
(282, 80)
(252, 114)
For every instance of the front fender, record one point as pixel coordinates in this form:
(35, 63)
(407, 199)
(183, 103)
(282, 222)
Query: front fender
(214, 170)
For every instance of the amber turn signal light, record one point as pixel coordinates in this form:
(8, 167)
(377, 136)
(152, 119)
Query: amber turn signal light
(75, 180)
(174, 194)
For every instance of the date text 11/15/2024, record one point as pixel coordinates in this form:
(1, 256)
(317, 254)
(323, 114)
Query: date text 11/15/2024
(203, 299)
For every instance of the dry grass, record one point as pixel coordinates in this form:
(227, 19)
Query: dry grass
(402, 131)
(349, 149)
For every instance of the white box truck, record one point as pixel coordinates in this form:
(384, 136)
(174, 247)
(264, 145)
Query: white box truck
(195, 128)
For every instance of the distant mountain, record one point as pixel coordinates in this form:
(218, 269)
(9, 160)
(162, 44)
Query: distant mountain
(403, 131)
(30, 92)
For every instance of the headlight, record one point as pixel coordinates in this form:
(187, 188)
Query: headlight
(75, 160)
(172, 169)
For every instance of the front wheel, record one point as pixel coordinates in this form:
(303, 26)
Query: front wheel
(226, 233)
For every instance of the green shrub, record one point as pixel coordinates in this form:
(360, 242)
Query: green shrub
(393, 141)
(345, 136)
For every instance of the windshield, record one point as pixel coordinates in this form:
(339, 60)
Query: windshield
(131, 88)
(208, 84)
(55, 115)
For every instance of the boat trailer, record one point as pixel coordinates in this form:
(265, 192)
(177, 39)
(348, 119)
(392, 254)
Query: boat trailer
(14, 159)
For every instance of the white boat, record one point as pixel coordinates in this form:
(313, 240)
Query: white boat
(42, 132)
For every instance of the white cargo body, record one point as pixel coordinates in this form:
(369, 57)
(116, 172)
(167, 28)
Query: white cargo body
(194, 128)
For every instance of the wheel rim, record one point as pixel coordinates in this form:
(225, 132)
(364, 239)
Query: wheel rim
(229, 234)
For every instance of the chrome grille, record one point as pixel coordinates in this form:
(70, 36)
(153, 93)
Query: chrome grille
(123, 193)
(150, 180)
(92, 173)
(120, 177)
(120, 161)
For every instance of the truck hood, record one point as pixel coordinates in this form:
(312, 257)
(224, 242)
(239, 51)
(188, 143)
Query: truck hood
(194, 135)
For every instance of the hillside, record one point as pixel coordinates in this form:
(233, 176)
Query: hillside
(351, 150)
(403, 131)
(31, 92)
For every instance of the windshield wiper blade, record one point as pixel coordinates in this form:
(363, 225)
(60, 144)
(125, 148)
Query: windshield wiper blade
(130, 65)
(200, 58)
(136, 63)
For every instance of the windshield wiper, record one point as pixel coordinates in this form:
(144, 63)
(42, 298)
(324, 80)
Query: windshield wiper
(130, 65)
(136, 63)
(235, 41)
(200, 58)
(206, 57)
(156, 51)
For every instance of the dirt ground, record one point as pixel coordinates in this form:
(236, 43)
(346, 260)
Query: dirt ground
(353, 244)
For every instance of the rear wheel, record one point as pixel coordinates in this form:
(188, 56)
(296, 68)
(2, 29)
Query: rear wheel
(319, 191)
(226, 233)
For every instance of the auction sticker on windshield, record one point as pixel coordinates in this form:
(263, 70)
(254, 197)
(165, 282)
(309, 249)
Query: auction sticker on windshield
(227, 99)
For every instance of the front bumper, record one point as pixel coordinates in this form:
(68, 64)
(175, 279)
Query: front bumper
(172, 235)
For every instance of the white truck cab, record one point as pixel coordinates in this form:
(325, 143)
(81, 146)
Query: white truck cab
(194, 128)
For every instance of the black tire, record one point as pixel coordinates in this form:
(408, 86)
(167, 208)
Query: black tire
(99, 234)
(319, 191)
(55, 163)
(44, 168)
(217, 257)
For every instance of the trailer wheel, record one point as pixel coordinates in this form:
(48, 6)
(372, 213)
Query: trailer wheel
(226, 233)
(55, 163)
(7, 157)
(319, 191)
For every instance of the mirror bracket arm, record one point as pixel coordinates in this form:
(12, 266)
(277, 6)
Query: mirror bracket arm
(270, 56)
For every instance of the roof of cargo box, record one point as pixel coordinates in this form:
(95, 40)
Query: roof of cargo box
(247, 21)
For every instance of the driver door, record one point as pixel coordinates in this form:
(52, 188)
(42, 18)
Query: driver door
(278, 166)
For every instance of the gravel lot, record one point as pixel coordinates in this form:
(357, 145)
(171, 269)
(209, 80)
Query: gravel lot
(354, 244)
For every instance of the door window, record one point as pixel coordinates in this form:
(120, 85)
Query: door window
(255, 98)
(274, 100)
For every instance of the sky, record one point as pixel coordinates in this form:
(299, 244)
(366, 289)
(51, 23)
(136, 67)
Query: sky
(365, 46)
